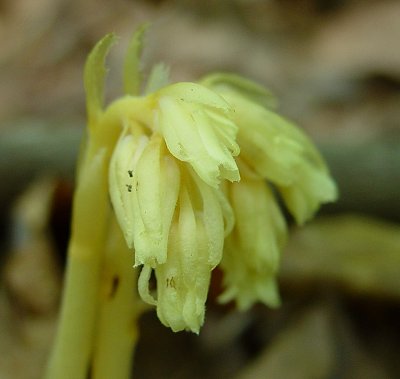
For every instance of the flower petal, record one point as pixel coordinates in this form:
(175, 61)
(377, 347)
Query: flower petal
(247, 88)
(195, 135)
(121, 184)
(194, 249)
(182, 282)
(251, 252)
(279, 151)
(305, 196)
(155, 193)
(212, 213)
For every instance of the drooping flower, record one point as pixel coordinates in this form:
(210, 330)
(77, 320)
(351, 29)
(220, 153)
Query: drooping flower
(252, 251)
(273, 152)
(197, 127)
(201, 221)
(187, 201)
(189, 127)
(274, 148)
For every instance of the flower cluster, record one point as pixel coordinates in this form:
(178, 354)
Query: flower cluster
(193, 177)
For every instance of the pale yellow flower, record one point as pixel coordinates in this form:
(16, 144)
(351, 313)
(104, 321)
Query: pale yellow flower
(273, 152)
(184, 198)
(252, 251)
(197, 127)
(164, 180)
(195, 245)
(275, 148)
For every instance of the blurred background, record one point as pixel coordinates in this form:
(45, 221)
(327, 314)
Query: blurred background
(334, 65)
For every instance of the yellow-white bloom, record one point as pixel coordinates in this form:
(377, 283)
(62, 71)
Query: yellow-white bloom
(176, 189)
(144, 184)
(186, 123)
(252, 251)
(197, 127)
(195, 247)
(276, 149)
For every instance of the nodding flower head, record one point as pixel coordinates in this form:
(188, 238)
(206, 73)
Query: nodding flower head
(191, 171)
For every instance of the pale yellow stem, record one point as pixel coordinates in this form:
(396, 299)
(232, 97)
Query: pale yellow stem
(73, 345)
(120, 308)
